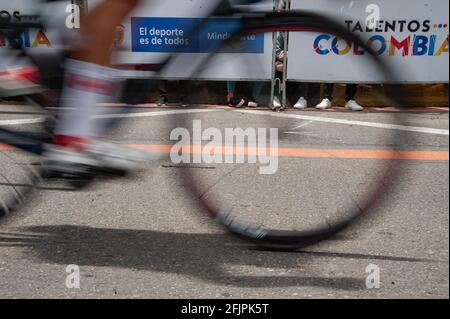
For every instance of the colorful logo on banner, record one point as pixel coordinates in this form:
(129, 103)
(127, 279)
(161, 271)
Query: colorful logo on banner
(30, 38)
(177, 35)
(417, 39)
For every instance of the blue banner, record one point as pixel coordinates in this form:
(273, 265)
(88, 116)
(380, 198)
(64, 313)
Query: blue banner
(175, 35)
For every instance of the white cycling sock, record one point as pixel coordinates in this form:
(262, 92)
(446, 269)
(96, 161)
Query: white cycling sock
(86, 85)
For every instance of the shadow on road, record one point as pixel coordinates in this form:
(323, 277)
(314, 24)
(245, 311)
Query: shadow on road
(208, 257)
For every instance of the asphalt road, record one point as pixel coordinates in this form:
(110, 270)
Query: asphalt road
(144, 237)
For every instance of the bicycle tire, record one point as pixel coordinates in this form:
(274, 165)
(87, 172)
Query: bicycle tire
(281, 239)
(20, 149)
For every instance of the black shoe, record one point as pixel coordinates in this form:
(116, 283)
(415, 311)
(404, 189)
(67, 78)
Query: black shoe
(162, 100)
(235, 102)
(184, 102)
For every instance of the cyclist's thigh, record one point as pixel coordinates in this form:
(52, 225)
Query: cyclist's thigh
(99, 27)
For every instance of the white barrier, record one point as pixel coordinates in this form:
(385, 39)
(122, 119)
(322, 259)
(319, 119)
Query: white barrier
(412, 36)
(158, 28)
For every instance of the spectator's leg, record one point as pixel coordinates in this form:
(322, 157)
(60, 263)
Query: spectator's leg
(231, 88)
(256, 89)
(350, 94)
(328, 97)
(303, 90)
(184, 87)
(256, 92)
(162, 85)
(328, 91)
(231, 99)
(313, 91)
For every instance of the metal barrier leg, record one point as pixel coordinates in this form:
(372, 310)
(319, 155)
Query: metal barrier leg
(273, 80)
(287, 7)
(276, 4)
(280, 5)
(285, 64)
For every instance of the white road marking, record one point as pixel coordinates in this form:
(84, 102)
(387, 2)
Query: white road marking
(425, 130)
(303, 125)
(292, 132)
(416, 129)
(108, 116)
(155, 113)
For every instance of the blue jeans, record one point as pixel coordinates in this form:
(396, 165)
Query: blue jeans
(256, 88)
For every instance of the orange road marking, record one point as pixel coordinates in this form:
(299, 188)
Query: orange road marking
(4, 147)
(309, 153)
(295, 152)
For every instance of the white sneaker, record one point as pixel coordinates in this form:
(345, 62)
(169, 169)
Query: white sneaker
(302, 103)
(252, 104)
(234, 102)
(325, 104)
(68, 161)
(353, 105)
(116, 157)
(276, 103)
(98, 155)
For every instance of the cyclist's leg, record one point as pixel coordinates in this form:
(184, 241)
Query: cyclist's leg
(98, 30)
(90, 81)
